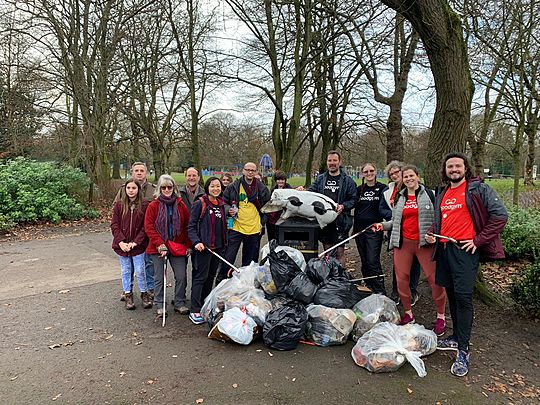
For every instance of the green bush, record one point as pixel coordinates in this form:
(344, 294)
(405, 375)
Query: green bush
(526, 291)
(521, 236)
(31, 191)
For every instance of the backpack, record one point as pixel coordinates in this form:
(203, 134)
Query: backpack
(203, 207)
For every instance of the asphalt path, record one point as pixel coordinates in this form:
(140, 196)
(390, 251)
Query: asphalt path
(66, 338)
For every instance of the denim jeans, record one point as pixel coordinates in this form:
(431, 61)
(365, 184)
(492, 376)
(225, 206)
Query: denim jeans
(149, 267)
(130, 265)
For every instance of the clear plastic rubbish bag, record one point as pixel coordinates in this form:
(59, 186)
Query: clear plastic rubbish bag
(329, 326)
(238, 326)
(293, 253)
(386, 347)
(372, 310)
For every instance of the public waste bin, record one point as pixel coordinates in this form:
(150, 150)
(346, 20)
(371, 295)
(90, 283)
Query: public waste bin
(301, 234)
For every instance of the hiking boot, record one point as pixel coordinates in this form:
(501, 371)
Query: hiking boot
(460, 367)
(146, 301)
(151, 294)
(406, 319)
(183, 310)
(440, 327)
(450, 343)
(129, 301)
(414, 299)
(196, 318)
(123, 296)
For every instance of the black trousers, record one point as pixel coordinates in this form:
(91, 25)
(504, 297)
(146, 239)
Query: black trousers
(369, 246)
(250, 251)
(456, 271)
(202, 277)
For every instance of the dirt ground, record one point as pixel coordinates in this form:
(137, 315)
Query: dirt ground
(66, 338)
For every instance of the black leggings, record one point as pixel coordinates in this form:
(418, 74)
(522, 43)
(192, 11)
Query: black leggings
(369, 246)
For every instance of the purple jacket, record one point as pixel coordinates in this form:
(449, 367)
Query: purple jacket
(488, 214)
(202, 229)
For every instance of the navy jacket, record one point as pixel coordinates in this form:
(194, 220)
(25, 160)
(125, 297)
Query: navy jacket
(201, 229)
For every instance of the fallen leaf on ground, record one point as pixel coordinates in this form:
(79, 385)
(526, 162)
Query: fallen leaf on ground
(108, 337)
(199, 401)
(409, 390)
(54, 346)
(13, 378)
(56, 397)
(235, 385)
(270, 354)
(63, 291)
(48, 328)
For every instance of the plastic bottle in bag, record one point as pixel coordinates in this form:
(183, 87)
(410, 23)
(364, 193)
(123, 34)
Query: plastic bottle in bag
(230, 220)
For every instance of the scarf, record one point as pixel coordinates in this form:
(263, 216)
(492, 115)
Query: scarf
(252, 191)
(162, 220)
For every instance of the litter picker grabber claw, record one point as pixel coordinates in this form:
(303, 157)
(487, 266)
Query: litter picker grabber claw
(321, 255)
(223, 260)
(443, 237)
(164, 290)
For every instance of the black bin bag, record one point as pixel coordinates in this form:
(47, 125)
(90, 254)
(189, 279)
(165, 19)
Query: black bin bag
(283, 268)
(285, 326)
(338, 293)
(318, 270)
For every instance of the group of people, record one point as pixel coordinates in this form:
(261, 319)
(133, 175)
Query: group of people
(445, 232)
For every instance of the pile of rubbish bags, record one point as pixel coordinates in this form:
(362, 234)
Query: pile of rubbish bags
(286, 300)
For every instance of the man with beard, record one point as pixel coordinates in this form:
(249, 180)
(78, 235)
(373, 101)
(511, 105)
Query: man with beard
(341, 188)
(192, 190)
(469, 217)
(248, 195)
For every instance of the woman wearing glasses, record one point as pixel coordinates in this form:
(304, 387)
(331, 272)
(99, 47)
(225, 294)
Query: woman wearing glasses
(166, 224)
(366, 213)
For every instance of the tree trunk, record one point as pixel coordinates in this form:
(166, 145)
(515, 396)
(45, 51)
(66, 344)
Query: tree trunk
(116, 161)
(530, 131)
(394, 137)
(440, 29)
(516, 163)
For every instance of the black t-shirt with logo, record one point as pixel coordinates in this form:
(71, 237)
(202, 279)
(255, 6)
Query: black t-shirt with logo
(366, 208)
(331, 187)
(218, 230)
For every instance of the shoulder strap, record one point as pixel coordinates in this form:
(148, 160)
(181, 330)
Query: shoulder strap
(203, 207)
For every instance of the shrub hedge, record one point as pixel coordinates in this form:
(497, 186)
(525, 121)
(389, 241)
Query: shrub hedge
(526, 290)
(521, 236)
(32, 191)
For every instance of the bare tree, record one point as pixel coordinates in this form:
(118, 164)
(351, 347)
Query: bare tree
(441, 32)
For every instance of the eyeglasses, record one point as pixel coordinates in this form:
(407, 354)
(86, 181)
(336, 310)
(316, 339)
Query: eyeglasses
(368, 171)
(394, 173)
(167, 187)
(250, 170)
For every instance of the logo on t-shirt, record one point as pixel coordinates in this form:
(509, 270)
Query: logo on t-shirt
(369, 196)
(451, 204)
(331, 185)
(411, 204)
(217, 212)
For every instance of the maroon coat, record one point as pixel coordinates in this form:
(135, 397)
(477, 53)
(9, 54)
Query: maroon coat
(128, 228)
(153, 234)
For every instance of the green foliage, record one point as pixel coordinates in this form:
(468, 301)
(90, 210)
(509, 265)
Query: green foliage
(526, 291)
(31, 191)
(521, 236)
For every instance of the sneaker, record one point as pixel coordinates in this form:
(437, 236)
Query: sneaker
(146, 301)
(130, 304)
(460, 367)
(405, 319)
(450, 343)
(183, 310)
(414, 299)
(196, 318)
(440, 327)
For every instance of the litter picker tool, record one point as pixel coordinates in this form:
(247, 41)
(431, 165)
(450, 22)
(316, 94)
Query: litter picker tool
(345, 240)
(443, 237)
(223, 260)
(354, 280)
(164, 290)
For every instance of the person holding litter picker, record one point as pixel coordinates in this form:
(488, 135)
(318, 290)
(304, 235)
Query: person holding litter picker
(366, 212)
(413, 216)
(207, 230)
(130, 241)
(166, 224)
